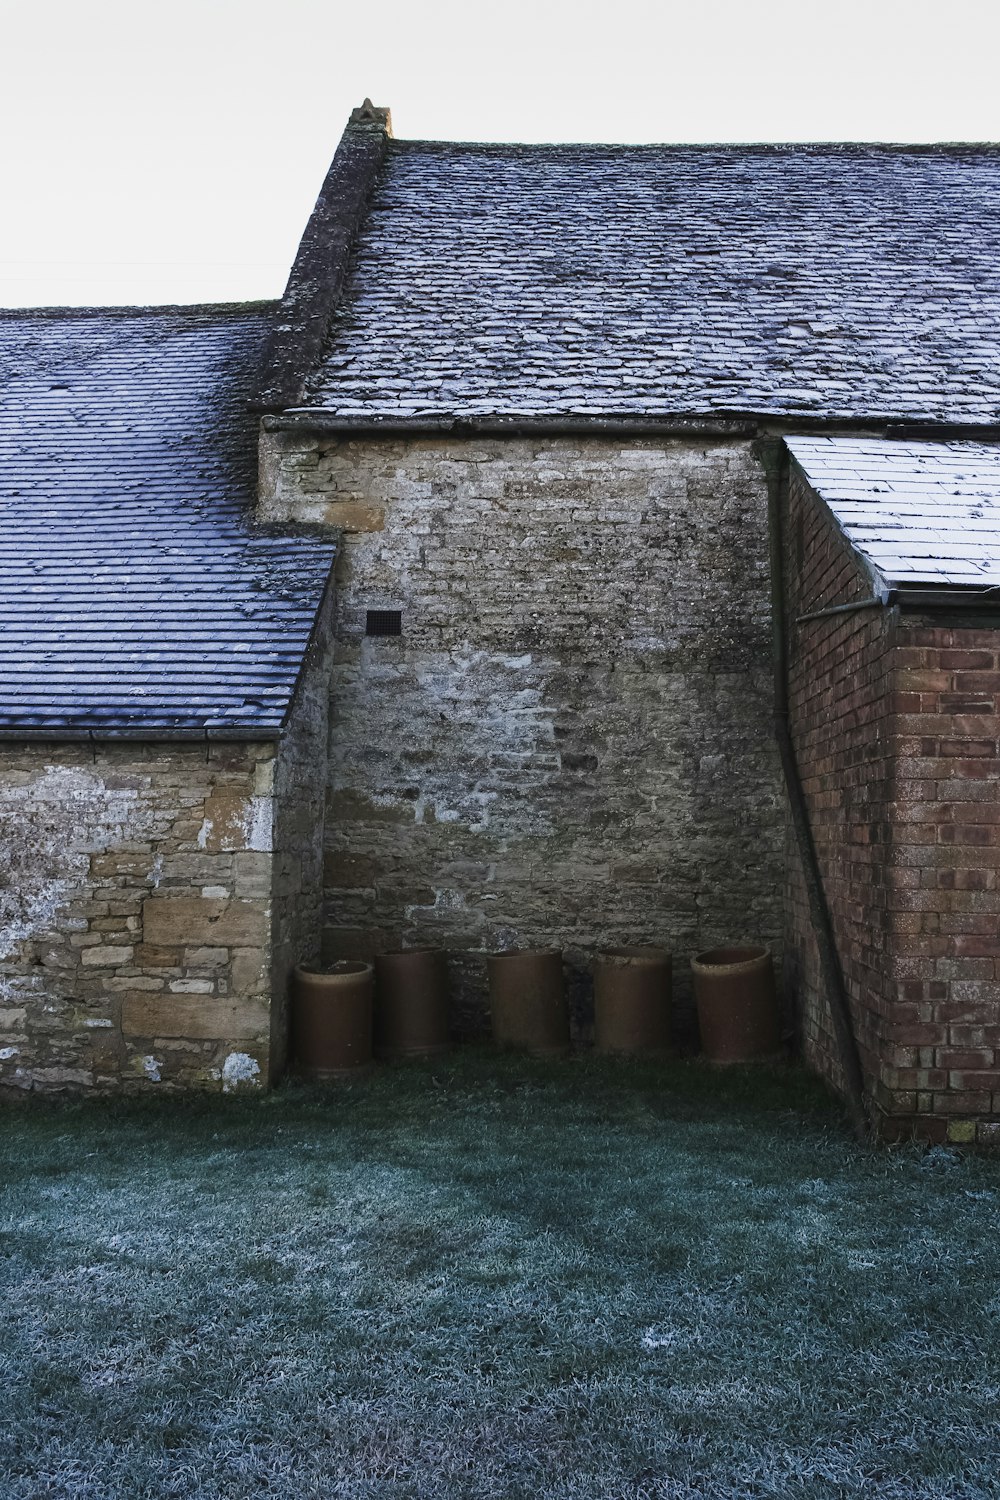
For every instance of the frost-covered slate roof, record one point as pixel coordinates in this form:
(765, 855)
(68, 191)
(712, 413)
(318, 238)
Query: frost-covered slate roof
(835, 281)
(134, 595)
(925, 514)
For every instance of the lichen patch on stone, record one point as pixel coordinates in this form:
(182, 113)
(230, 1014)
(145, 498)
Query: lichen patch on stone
(240, 1070)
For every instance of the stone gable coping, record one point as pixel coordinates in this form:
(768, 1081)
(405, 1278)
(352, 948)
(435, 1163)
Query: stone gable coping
(319, 271)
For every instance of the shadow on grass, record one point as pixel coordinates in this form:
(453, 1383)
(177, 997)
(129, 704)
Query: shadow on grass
(586, 1084)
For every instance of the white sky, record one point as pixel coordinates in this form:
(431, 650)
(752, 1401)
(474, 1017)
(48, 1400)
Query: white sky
(171, 150)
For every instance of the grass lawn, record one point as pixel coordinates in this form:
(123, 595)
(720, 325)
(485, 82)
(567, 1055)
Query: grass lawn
(491, 1277)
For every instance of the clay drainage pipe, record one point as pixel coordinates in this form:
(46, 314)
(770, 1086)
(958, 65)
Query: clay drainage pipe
(736, 1003)
(632, 989)
(411, 1003)
(527, 1001)
(332, 1019)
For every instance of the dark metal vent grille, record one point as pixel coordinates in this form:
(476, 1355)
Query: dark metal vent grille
(384, 622)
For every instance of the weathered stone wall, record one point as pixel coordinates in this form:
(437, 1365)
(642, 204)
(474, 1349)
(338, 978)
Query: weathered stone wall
(135, 895)
(570, 743)
(300, 774)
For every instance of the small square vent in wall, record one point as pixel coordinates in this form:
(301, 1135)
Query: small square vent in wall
(384, 622)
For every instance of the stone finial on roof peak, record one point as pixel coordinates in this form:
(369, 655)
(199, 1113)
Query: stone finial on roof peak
(372, 116)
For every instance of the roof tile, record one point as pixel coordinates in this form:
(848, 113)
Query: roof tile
(838, 281)
(937, 523)
(135, 594)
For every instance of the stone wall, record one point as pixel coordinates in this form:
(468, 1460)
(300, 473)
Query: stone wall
(135, 914)
(300, 773)
(570, 742)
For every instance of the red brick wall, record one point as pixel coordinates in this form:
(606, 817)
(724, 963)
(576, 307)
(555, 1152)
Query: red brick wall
(839, 716)
(896, 725)
(945, 961)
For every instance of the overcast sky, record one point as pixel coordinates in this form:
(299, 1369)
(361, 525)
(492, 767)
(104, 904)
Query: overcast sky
(171, 150)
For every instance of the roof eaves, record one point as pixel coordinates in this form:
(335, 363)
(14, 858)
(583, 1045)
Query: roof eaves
(142, 310)
(151, 733)
(958, 597)
(722, 421)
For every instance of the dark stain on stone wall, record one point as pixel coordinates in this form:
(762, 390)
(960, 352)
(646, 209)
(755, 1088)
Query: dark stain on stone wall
(570, 742)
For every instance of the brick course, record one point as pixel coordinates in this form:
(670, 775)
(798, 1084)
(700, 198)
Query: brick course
(895, 722)
(839, 679)
(946, 914)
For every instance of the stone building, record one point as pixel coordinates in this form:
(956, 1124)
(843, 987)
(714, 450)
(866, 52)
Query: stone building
(163, 705)
(661, 487)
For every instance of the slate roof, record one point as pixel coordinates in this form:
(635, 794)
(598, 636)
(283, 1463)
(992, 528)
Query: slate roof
(135, 596)
(923, 514)
(544, 281)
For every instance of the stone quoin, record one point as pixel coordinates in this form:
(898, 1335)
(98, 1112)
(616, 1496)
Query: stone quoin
(596, 546)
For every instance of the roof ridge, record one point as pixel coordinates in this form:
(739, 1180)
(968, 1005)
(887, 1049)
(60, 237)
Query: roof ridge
(923, 148)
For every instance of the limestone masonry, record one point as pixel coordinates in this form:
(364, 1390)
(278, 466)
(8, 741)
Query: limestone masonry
(135, 927)
(156, 897)
(570, 742)
(596, 546)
